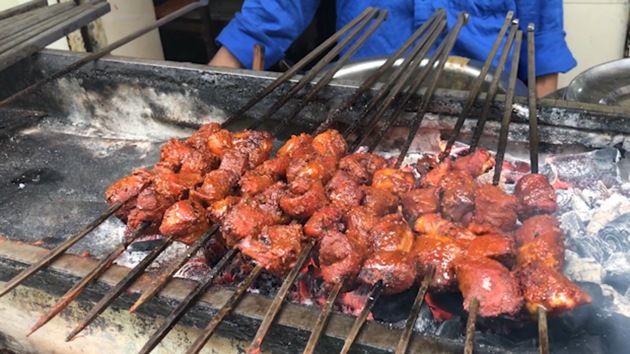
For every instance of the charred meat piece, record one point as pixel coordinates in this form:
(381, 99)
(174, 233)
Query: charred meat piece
(362, 221)
(341, 255)
(433, 177)
(419, 202)
(185, 220)
(379, 201)
(126, 190)
(474, 164)
(199, 139)
(331, 143)
(550, 289)
(536, 226)
(362, 166)
(546, 247)
(391, 233)
(326, 218)
(535, 196)
(216, 185)
(174, 153)
(496, 246)
(257, 145)
(150, 207)
(434, 224)
(256, 180)
(492, 284)
(296, 143)
(269, 202)
(394, 180)
(441, 252)
(493, 206)
(235, 161)
(309, 167)
(218, 210)
(458, 196)
(199, 162)
(175, 185)
(396, 269)
(219, 142)
(343, 191)
(302, 206)
(276, 248)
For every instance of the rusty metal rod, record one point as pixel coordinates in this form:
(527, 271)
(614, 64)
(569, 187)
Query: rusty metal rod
(104, 51)
(164, 277)
(379, 104)
(476, 87)
(428, 26)
(494, 86)
(94, 274)
(201, 287)
(462, 19)
(225, 310)
(533, 110)
(415, 77)
(507, 115)
(286, 76)
(306, 79)
(119, 288)
(360, 320)
(543, 331)
(324, 80)
(469, 342)
(273, 310)
(318, 328)
(22, 9)
(403, 342)
(57, 251)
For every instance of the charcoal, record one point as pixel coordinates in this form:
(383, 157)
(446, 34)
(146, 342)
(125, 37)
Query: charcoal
(565, 200)
(583, 269)
(618, 338)
(451, 329)
(610, 209)
(572, 225)
(614, 301)
(394, 308)
(588, 246)
(585, 169)
(617, 234)
(425, 322)
(583, 344)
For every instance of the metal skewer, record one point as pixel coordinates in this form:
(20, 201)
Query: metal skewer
(470, 326)
(273, 310)
(119, 288)
(323, 318)
(77, 289)
(358, 323)
(476, 87)
(507, 115)
(57, 251)
(543, 332)
(187, 302)
(494, 86)
(403, 343)
(167, 275)
(224, 311)
(533, 110)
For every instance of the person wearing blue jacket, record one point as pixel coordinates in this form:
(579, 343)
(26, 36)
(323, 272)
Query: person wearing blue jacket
(276, 24)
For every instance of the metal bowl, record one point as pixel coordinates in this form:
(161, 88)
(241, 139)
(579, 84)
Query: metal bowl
(459, 74)
(606, 84)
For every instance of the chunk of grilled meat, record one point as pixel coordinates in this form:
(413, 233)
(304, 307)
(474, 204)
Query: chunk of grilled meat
(302, 206)
(436, 174)
(458, 196)
(474, 164)
(441, 252)
(420, 201)
(326, 218)
(492, 284)
(256, 180)
(379, 201)
(362, 166)
(150, 207)
(185, 220)
(126, 190)
(397, 270)
(256, 144)
(493, 206)
(276, 248)
(216, 185)
(391, 233)
(199, 139)
(434, 224)
(548, 288)
(541, 240)
(394, 180)
(330, 142)
(341, 255)
(343, 191)
(174, 152)
(535, 196)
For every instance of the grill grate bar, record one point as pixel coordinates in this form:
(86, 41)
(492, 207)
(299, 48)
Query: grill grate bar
(320, 324)
(403, 343)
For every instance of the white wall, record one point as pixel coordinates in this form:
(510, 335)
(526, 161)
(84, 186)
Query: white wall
(596, 32)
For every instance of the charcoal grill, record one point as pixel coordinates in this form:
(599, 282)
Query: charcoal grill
(67, 143)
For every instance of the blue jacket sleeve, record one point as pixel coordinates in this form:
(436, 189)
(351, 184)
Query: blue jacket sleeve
(276, 24)
(552, 53)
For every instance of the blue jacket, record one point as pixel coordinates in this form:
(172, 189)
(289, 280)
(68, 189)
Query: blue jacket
(277, 23)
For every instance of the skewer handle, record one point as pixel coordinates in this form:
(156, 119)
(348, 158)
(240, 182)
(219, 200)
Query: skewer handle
(470, 326)
(543, 332)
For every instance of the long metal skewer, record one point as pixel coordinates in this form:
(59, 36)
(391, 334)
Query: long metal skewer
(187, 302)
(318, 328)
(403, 343)
(494, 86)
(533, 110)
(300, 65)
(307, 79)
(476, 86)
(323, 81)
(543, 332)
(76, 290)
(469, 342)
(167, 275)
(426, 98)
(428, 27)
(119, 288)
(224, 311)
(273, 310)
(507, 115)
(358, 323)
(57, 251)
